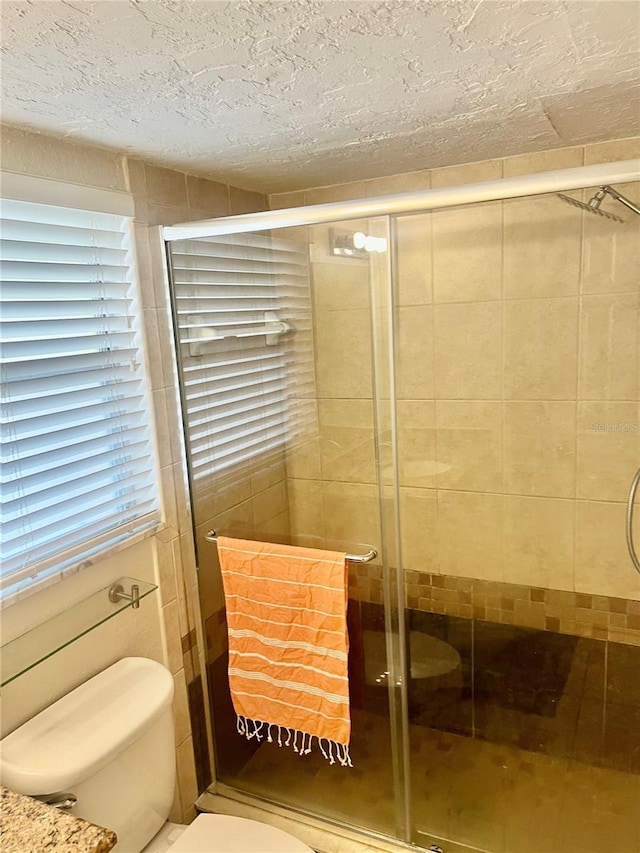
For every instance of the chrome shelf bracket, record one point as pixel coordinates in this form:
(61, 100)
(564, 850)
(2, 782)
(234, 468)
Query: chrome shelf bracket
(117, 594)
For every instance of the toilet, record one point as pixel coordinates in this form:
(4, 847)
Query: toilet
(110, 743)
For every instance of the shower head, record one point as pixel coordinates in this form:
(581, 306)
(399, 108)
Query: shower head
(593, 205)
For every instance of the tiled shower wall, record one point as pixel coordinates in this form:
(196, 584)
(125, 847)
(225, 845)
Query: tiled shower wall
(161, 196)
(251, 503)
(518, 381)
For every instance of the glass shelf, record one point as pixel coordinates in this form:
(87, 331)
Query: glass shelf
(36, 645)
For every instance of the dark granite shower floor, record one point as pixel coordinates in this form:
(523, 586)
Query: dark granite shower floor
(521, 669)
(532, 745)
(570, 697)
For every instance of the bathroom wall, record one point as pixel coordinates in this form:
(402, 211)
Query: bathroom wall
(167, 626)
(475, 542)
(518, 343)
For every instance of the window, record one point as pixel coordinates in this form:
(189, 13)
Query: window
(242, 305)
(78, 472)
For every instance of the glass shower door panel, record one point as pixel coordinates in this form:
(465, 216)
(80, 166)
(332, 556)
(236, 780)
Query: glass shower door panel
(281, 430)
(517, 345)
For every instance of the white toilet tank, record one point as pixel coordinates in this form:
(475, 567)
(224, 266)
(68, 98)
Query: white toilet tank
(110, 742)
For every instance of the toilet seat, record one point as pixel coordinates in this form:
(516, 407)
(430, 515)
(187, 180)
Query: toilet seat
(217, 833)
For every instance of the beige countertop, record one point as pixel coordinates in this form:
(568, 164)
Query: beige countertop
(27, 826)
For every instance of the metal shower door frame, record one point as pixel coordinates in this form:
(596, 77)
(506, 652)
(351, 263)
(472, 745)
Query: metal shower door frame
(383, 326)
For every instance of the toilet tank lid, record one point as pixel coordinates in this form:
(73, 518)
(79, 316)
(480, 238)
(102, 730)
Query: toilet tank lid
(84, 730)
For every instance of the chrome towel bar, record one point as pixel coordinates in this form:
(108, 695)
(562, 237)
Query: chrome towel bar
(212, 536)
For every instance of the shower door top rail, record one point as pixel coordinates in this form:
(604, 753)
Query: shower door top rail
(212, 536)
(561, 180)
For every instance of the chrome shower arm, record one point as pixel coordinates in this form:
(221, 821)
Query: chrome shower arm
(621, 198)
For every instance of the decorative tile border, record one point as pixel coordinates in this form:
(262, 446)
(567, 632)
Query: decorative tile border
(365, 583)
(575, 613)
(579, 614)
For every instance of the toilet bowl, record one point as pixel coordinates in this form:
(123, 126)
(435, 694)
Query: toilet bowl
(229, 834)
(110, 743)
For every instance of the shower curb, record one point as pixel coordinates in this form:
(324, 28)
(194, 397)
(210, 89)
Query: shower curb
(322, 837)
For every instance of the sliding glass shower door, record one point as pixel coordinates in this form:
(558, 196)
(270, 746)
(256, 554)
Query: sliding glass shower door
(517, 364)
(459, 390)
(284, 343)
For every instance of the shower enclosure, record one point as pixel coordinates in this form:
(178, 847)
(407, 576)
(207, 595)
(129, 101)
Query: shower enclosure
(452, 378)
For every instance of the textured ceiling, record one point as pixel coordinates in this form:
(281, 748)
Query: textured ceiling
(282, 95)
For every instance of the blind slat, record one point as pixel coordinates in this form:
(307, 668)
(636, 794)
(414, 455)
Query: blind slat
(32, 253)
(83, 486)
(65, 347)
(41, 386)
(64, 235)
(53, 464)
(109, 515)
(71, 400)
(110, 429)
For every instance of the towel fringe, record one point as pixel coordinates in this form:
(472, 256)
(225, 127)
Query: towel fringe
(253, 729)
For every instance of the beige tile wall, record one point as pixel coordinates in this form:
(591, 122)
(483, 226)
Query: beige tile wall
(251, 503)
(161, 196)
(518, 332)
(333, 497)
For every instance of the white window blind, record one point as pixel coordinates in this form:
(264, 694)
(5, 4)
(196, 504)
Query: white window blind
(77, 459)
(244, 391)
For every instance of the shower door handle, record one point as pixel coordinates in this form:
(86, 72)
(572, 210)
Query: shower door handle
(630, 504)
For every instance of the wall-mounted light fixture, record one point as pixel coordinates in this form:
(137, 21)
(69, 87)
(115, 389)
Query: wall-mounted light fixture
(369, 243)
(350, 244)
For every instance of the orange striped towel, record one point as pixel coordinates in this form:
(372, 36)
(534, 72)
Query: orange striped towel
(288, 644)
